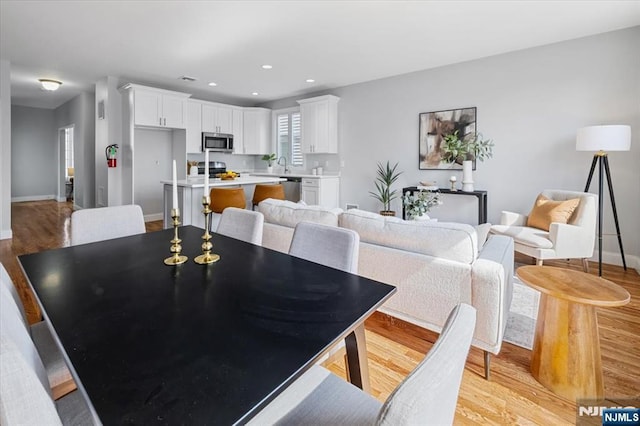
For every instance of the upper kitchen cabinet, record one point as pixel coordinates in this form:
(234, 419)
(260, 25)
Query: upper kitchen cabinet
(194, 126)
(158, 108)
(238, 131)
(256, 131)
(319, 124)
(217, 118)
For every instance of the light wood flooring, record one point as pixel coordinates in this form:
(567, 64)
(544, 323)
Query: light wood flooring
(511, 396)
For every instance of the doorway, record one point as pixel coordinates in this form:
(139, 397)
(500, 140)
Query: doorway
(67, 179)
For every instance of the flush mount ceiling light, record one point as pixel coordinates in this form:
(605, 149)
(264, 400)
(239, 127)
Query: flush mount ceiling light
(212, 84)
(49, 85)
(266, 67)
(255, 93)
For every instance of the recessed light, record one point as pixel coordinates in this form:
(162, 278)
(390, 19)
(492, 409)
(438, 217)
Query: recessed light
(212, 84)
(310, 80)
(255, 93)
(266, 67)
(50, 85)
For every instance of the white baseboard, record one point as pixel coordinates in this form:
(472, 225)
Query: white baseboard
(61, 199)
(153, 217)
(33, 198)
(611, 258)
(6, 234)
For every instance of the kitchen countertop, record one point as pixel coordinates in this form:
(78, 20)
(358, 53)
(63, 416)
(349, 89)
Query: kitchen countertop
(300, 175)
(198, 182)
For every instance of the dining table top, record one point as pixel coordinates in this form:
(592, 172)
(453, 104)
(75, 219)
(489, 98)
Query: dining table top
(191, 343)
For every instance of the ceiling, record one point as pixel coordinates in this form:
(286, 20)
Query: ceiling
(337, 43)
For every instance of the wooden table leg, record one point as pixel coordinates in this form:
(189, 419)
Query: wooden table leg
(566, 350)
(357, 365)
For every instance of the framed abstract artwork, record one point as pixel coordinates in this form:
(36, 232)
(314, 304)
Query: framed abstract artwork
(434, 126)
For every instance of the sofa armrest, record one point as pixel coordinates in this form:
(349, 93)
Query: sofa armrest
(513, 219)
(572, 240)
(492, 290)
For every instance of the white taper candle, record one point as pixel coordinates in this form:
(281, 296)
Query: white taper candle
(206, 172)
(175, 186)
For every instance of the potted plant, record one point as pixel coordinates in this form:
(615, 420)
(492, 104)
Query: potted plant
(464, 151)
(386, 176)
(269, 158)
(417, 205)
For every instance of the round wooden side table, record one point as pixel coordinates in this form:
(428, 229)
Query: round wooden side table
(566, 349)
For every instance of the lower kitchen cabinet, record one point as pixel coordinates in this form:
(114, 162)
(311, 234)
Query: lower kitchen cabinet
(323, 191)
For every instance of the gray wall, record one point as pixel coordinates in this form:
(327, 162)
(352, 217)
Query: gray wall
(79, 112)
(152, 163)
(529, 102)
(5, 150)
(34, 152)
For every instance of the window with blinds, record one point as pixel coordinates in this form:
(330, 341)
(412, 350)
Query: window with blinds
(289, 134)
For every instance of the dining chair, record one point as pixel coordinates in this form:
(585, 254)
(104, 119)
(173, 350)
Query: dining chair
(262, 192)
(327, 245)
(245, 225)
(105, 223)
(222, 198)
(428, 395)
(24, 397)
(58, 374)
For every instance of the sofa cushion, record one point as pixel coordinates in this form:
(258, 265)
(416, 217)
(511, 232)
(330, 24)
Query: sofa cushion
(452, 241)
(532, 237)
(287, 213)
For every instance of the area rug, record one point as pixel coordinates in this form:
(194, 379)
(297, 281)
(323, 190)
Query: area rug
(521, 324)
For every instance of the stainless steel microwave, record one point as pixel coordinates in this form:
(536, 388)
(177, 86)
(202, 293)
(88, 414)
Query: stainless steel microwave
(220, 142)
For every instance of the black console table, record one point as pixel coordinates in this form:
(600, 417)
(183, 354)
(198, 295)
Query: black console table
(481, 195)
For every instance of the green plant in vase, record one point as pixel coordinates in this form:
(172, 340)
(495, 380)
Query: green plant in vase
(464, 151)
(269, 158)
(386, 176)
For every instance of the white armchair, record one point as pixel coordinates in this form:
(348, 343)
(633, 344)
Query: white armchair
(571, 240)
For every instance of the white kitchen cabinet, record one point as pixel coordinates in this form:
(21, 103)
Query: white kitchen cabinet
(217, 118)
(319, 117)
(238, 131)
(194, 126)
(256, 135)
(322, 191)
(158, 108)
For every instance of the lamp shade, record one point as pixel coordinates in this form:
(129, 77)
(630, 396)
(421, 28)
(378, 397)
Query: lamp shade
(604, 138)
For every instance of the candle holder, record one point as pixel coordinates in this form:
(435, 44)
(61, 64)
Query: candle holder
(453, 180)
(176, 248)
(206, 257)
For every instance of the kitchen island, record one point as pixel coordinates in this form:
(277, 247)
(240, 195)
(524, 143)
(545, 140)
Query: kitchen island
(190, 192)
(323, 190)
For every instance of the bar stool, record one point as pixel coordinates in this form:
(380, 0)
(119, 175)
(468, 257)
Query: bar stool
(221, 198)
(262, 192)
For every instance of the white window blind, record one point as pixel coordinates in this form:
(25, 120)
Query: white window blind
(289, 132)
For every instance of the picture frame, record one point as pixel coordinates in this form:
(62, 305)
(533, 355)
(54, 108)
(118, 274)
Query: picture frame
(434, 126)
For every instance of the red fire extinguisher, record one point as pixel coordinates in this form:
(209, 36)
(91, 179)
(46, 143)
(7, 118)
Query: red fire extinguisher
(111, 152)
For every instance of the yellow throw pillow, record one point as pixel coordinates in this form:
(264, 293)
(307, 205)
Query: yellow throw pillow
(546, 211)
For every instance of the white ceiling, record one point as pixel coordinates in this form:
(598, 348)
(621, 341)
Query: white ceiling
(337, 43)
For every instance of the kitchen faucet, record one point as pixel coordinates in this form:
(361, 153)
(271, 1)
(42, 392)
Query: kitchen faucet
(286, 169)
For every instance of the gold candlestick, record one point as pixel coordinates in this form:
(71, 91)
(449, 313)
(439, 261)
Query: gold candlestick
(206, 257)
(176, 248)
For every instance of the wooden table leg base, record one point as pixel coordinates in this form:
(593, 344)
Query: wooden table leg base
(566, 350)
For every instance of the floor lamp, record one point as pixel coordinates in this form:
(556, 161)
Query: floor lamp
(603, 139)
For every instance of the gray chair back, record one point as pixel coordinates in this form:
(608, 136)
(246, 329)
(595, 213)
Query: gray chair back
(430, 392)
(105, 223)
(23, 400)
(327, 245)
(241, 224)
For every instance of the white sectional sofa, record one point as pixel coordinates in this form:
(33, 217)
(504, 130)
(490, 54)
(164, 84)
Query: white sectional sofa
(434, 265)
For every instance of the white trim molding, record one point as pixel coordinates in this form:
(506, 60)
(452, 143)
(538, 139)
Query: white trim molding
(153, 217)
(6, 235)
(34, 198)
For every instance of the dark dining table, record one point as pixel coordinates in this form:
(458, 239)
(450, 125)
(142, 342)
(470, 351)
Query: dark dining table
(195, 344)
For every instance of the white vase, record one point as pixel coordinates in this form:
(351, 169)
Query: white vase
(193, 171)
(424, 217)
(269, 169)
(467, 176)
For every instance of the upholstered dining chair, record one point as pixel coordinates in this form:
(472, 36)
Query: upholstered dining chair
(220, 199)
(570, 240)
(24, 396)
(428, 395)
(58, 373)
(105, 223)
(262, 192)
(245, 225)
(328, 245)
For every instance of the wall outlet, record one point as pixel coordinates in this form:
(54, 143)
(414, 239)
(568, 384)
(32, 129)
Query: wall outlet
(326, 163)
(342, 164)
(351, 206)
